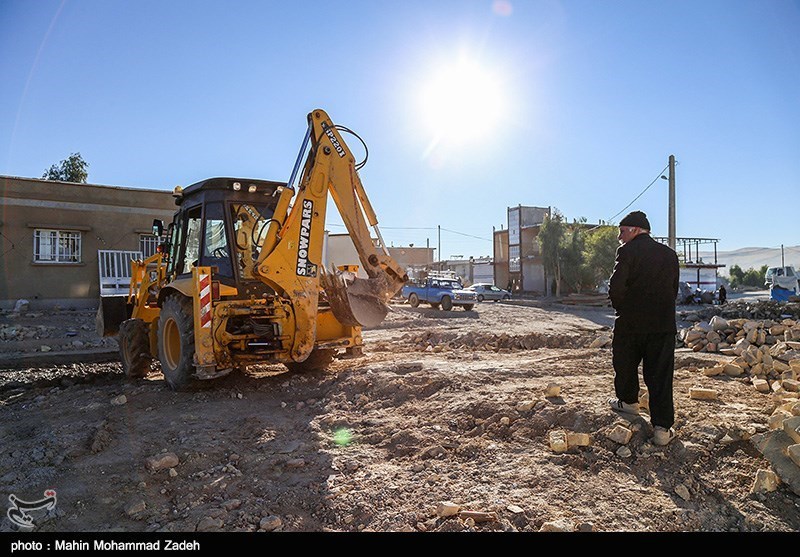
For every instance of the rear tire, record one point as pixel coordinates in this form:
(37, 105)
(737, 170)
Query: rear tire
(447, 303)
(318, 360)
(176, 342)
(134, 348)
(413, 299)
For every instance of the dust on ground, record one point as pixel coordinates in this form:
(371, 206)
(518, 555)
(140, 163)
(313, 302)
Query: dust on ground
(443, 407)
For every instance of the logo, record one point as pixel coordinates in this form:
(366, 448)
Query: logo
(332, 136)
(304, 268)
(18, 514)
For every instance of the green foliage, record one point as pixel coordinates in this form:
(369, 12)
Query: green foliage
(550, 238)
(71, 169)
(599, 253)
(750, 277)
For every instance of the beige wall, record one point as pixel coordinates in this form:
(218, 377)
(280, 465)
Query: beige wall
(107, 217)
(339, 250)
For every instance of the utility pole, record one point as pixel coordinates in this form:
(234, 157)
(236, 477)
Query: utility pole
(439, 227)
(672, 240)
(782, 263)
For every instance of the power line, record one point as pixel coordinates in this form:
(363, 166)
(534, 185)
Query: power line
(641, 194)
(467, 235)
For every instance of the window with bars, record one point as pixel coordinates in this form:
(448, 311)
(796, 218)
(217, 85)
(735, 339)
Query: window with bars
(56, 246)
(147, 244)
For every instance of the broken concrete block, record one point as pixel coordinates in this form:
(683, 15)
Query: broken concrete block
(447, 508)
(793, 451)
(161, 461)
(795, 409)
(578, 439)
(761, 385)
(718, 323)
(558, 441)
(699, 393)
(620, 434)
(792, 428)
(552, 390)
(766, 481)
(478, 516)
(712, 371)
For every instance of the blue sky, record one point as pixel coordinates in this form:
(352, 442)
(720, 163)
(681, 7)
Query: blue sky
(572, 104)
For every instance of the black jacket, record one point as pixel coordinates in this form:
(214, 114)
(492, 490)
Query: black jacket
(644, 286)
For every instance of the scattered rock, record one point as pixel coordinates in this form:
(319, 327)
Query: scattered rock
(135, 507)
(558, 525)
(624, 452)
(447, 508)
(119, 400)
(766, 481)
(209, 524)
(620, 434)
(518, 510)
(552, 390)
(683, 492)
(578, 439)
(162, 461)
(173, 473)
(270, 523)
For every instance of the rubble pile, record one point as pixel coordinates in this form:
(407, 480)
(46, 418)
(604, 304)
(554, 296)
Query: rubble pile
(762, 309)
(438, 341)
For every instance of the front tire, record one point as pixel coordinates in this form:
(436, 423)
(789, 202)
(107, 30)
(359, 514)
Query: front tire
(506, 297)
(176, 342)
(413, 299)
(480, 297)
(134, 348)
(318, 360)
(447, 303)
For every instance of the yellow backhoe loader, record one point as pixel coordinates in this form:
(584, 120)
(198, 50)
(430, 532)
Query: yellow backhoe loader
(239, 278)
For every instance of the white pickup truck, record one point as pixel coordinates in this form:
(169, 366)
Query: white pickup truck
(785, 277)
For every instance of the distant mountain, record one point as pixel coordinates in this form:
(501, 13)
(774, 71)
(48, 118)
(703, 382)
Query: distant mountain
(754, 258)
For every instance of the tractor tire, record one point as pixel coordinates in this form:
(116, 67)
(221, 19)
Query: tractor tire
(134, 348)
(413, 299)
(447, 303)
(176, 342)
(318, 360)
(480, 297)
(468, 307)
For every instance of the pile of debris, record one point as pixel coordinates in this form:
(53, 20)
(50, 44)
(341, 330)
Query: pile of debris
(763, 309)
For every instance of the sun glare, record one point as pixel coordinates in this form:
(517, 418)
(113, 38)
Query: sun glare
(462, 103)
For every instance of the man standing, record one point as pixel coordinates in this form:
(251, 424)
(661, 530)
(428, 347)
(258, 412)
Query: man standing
(642, 289)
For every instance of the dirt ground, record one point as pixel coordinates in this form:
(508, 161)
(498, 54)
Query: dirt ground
(444, 407)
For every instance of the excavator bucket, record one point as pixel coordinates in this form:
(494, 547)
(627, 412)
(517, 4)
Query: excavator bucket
(112, 311)
(356, 301)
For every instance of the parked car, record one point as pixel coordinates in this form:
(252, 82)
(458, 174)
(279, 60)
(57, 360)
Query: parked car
(440, 290)
(489, 292)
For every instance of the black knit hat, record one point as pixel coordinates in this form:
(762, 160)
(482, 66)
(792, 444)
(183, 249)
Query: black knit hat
(636, 218)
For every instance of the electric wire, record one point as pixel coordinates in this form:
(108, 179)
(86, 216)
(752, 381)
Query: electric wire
(360, 165)
(641, 194)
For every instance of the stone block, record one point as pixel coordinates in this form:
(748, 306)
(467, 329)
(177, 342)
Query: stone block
(620, 434)
(552, 390)
(699, 393)
(777, 418)
(761, 385)
(790, 385)
(578, 439)
(712, 371)
(447, 508)
(558, 441)
(792, 428)
(733, 370)
(765, 481)
(793, 452)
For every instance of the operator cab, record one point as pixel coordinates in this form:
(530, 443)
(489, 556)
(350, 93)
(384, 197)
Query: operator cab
(222, 223)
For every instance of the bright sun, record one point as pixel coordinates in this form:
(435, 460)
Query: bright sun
(462, 103)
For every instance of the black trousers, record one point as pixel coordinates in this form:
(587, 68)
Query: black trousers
(656, 352)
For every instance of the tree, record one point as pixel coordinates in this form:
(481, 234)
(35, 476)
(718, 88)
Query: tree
(574, 272)
(551, 234)
(600, 252)
(71, 169)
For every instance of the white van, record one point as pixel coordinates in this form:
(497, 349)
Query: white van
(780, 275)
